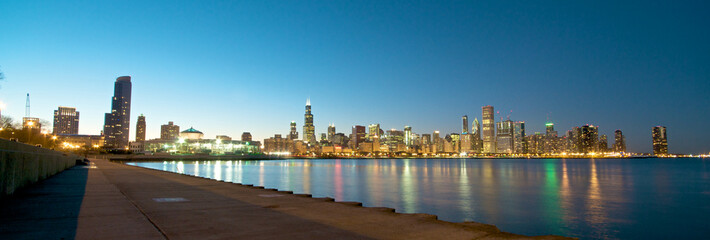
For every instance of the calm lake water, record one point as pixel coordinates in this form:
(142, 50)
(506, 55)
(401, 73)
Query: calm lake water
(585, 198)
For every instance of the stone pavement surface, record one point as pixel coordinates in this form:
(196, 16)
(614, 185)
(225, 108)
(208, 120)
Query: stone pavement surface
(113, 201)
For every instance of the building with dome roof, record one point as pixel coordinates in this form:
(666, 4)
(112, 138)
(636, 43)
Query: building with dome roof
(191, 141)
(191, 134)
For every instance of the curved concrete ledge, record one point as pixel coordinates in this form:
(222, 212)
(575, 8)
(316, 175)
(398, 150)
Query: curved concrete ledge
(487, 231)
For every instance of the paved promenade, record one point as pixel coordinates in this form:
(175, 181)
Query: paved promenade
(113, 201)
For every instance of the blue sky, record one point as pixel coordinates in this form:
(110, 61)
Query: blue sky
(225, 67)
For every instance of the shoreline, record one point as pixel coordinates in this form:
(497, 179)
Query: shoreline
(491, 231)
(150, 158)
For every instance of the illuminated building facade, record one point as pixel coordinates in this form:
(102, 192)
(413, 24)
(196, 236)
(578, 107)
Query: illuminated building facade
(408, 136)
(192, 134)
(117, 123)
(140, 129)
(660, 140)
(309, 131)
(374, 131)
(391, 139)
(73, 141)
(619, 141)
(169, 131)
(466, 144)
(551, 144)
(589, 140)
(488, 131)
(66, 121)
(32, 124)
(201, 146)
(293, 135)
(504, 137)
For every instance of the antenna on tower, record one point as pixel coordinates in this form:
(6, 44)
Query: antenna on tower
(27, 106)
(511, 112)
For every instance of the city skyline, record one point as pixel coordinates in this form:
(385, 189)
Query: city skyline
(384, 66)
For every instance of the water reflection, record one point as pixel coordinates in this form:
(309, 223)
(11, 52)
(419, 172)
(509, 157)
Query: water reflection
(587, 198)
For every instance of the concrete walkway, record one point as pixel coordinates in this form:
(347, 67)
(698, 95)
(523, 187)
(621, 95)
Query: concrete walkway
(113, 201)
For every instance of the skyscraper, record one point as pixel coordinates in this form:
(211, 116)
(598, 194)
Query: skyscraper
(117, 123)
(438, 143)
(140, 129)
(476, 141)
(358, 136)
(331, 132)
(309, 131)
(519, 144)
(589, 140)
(504, 137)
(408, 136)
(660, 140)
(66, 121)
(619, 141)
(374, 131)
(551, 143)
(426, 139)
(603, 143)
(169, 131)
(293, 135)
(488, 131)
(464, 130)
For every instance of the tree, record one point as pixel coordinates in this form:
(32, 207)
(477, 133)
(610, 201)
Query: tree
(6, 122)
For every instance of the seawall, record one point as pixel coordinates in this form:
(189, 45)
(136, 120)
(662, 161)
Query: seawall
(22, 165)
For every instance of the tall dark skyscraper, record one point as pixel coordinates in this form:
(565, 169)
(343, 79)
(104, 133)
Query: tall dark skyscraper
(519, 145)
(66, 121)
(358, 136)
(293, 135)
(117, 123)
(140, 129)
(589, 139)
(309, 131)
(464, 130)
(603, 143)
(331, 132)
(660, 140)
(489, 130)
(619, 141)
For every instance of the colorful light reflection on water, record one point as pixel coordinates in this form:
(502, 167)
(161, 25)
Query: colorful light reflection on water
(586, 198)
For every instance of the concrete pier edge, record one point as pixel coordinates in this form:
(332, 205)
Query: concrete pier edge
(431, 217)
